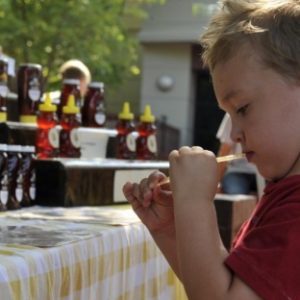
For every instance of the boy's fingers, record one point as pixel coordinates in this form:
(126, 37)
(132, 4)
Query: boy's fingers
(127, 191)
(164, 197)
(155, 178)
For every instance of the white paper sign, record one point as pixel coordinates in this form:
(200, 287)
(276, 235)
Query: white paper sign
(123, 176)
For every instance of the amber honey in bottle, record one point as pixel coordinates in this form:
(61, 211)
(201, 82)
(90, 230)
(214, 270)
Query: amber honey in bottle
(15, 178)
(93, 110)
(28, 172)
(3, 88)
(146, 144)
(126, 137)
(3, 177)
(68, 137)
(47, 137)
(29, 91)
(69, 87)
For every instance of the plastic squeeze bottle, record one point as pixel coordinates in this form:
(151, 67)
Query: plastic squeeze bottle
(146, 144)
(126, 143)
(68, 139)
(47, 135)
(3, 88)
(70, 87)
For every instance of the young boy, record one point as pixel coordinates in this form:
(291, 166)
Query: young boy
(252, 48)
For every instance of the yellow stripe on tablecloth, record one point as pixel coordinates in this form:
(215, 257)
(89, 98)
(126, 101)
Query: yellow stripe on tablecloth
(119, 261)
(7, 252)
(80, 272)
(19, 246)
(155, 287)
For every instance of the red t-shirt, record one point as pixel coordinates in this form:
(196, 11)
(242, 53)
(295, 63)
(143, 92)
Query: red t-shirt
(266, 251)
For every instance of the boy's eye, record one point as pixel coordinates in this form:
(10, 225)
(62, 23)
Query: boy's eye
(242, 110)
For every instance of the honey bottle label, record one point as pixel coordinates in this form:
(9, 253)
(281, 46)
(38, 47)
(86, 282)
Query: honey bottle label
(3, 90)
(4, 191)
(131, 142)
(19, 188)
(151, 143)
(53, 137)
(100, 118)
(74, 138)
(4, 196)
(32, 188)
(34, 91)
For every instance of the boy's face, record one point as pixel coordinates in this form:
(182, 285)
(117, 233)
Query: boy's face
(265, 113)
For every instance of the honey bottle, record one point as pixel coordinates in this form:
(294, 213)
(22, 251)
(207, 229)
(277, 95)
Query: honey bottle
(3, 88)
(93, 110)
(69, 87)
(47, 138)
(68, 138)
(126, 144)
(15, 178)
(3, 177)
(30, 80)
(146, 144)
(28, 173)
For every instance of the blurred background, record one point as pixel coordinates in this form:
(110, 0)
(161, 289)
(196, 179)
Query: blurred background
(145, 51)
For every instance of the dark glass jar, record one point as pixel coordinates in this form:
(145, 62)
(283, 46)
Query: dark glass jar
(3, 88)
(93, 110)
(69, 87)
(3, 177)
(29, 91)
(28, 173)
(15, 178)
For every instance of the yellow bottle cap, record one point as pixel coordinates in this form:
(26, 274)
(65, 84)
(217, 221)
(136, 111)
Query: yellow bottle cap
(147, 115)
(71, 107)
(125, 114)
(3, 116)
(47, 106)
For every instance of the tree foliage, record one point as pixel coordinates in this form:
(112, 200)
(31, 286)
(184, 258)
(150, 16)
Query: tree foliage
(50, 32)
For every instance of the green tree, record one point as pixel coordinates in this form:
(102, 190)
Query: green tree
(50, 32)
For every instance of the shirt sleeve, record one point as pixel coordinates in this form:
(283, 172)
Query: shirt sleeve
(268, 256)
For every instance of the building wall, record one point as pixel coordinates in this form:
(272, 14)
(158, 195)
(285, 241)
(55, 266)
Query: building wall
(173, 60)
(167, 38)
(176, 20)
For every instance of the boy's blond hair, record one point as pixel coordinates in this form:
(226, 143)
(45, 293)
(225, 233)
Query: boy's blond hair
(272, 27)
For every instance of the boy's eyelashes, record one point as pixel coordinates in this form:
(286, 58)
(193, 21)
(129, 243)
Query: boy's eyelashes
(242, 110)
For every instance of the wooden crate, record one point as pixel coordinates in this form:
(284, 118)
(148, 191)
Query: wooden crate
(232, 212)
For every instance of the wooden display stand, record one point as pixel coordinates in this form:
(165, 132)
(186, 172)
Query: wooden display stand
(79, 182)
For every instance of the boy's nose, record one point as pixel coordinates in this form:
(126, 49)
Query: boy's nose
(236, 133)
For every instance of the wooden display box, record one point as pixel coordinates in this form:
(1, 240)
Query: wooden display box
(232, 212)
(78, 182)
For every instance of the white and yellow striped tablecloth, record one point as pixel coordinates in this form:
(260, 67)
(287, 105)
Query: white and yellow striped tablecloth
(113, 262)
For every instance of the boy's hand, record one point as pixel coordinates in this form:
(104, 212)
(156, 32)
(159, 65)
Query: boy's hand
(193, 173)
(151, 202)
